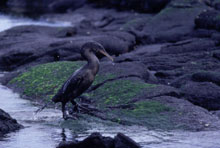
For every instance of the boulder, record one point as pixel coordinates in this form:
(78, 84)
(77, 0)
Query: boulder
(204, 94)
(139, 5)
(29, 7)
(122, 141)
(207, 76)
(3, 3)
(208, 19)
(43, 6)
(62, 6)
(7, 124)
(40, 44)
(173, 23)
(216, 55)
(96, 140)
(192, 45)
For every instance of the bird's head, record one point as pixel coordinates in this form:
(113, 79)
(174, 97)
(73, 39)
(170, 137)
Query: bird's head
(96, 48)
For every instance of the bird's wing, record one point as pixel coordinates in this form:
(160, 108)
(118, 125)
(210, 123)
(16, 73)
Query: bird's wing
(72, 83)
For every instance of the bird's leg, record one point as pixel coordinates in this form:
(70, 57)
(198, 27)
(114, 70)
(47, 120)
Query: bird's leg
(64, 111)
(65, 115)
(75, 106)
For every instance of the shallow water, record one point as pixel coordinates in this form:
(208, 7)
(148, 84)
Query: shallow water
(7, 22)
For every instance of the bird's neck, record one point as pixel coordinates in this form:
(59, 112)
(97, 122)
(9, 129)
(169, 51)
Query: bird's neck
(93, 62)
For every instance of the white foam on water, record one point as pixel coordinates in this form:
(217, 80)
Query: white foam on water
(7, 22)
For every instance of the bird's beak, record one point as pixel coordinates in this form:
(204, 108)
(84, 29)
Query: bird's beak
(106, 54)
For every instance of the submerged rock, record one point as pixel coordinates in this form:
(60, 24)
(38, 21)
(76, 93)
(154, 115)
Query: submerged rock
(7, 124)
(96, 140)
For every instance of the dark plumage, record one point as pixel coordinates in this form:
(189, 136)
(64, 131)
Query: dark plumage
(82, 78)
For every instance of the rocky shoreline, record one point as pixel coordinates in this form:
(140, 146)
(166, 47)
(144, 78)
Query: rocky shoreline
(166, 73)
(7, 124)
(96, 140)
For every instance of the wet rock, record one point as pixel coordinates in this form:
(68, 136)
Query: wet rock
(214, 3)
(3, 3)
(8, 76)
(217, 113)
(139, 5)
(7, 124)
(180, 81)
(203, 33)
(208, 19)
(122, 141)
(96, 140)
(172, 23)
(216, 55)
(39, 44)
(192, 45)
(29, 7)
(62, 6)
(206, 76)
(126, 69)
(186, 115)
(203, 94)
(43, 6)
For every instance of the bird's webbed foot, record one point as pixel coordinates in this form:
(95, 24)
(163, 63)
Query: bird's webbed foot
(83, 108)
(66, 115)
(70, 117)
(75, 107)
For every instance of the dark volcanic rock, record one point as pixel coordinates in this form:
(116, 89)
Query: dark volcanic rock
(39, 44)
(43, 6)
(64, 5)
(3, 3)
(192, 45)
(29, 7)
(189, 116)
(213, 3)
(171, 24)
(96, 140)
(139, 5)
(216, 55)
(206, 76)
(204, 94)
(7, 124)
(208, 19)
(122, 141)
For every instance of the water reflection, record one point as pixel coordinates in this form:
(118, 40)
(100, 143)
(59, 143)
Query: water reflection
(63, 134)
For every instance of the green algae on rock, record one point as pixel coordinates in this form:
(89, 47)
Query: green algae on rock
(43, 81)
(118, 92)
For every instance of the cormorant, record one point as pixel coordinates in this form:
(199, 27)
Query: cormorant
(82, 78)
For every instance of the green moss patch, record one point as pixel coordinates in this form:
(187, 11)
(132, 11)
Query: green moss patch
(144, 108)
(102, 77)
(148, 113)
(45, 80)
(118, 92)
